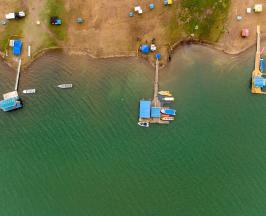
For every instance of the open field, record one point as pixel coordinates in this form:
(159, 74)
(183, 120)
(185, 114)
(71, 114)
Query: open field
(109, 31)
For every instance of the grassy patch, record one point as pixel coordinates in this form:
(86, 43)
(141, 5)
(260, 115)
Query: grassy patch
(12, 29)
(204, 19)
(57, 8)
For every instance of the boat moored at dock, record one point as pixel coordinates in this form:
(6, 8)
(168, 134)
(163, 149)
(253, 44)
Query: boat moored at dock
(165, 93)
(170, 118)
(11, 102)
(168, 99)
(168, 111)
(262, 65)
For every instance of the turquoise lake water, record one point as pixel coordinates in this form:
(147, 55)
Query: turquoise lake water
(80, 151)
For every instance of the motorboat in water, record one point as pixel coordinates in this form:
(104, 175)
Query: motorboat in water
(168, 99)
(144, 124)
(165, 93)
(170, 118)
(29, 91)
(64, 86)
(168, 111)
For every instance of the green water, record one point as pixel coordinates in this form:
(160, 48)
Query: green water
(80, 152)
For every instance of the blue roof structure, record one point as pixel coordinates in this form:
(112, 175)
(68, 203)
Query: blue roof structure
(145, 48)
(152, 6)
(262, 65)
(156, 112)
(157, 55)
(10, 104)
(17, 47)
(259, 82)
(144, 109)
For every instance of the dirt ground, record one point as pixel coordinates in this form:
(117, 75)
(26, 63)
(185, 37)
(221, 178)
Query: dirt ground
(231, 41)
(109, 31)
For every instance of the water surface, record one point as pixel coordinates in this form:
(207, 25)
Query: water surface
(80, 151)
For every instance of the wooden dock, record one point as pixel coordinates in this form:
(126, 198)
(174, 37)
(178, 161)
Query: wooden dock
(256, 72)
(156, 102)
(18, 73)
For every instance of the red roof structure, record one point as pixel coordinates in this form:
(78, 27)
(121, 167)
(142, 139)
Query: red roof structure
(245, 32)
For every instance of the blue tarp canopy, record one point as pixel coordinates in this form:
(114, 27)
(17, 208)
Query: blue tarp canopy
(145, 48)
(156, 112)
(17, 47)
(10, 104)
(144, 109)
(259, 82)
(158, 55)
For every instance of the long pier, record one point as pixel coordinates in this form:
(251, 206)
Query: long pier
(256, 72)
(18, 73)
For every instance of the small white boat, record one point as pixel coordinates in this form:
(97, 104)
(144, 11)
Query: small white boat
(144, 124)
(168, 99)
(64, 86)
(29, 91)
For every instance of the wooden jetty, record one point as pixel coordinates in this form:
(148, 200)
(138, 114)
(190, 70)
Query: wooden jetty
(156, 102)
(18, 73)
(256, 72)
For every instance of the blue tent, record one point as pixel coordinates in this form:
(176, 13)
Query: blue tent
(152, 6)
(259, 82)
(17, 47)
(145, 48)
(144, 109)
(156, 112)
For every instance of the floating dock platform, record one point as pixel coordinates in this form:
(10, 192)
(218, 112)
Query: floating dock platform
(258, 81)
(150, 110)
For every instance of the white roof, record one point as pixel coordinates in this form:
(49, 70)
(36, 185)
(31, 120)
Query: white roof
(10, 95)
(137, 8)
(248, 10)
(10, 16)
(140, 11)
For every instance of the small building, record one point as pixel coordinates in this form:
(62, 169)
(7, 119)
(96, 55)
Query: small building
(249, 10)
(144, 48)
(144, 109)
(17, 47)
(138, 9)
(157, 55)
(245, 32)
(156, 112)
(153, 47)
(258, 8)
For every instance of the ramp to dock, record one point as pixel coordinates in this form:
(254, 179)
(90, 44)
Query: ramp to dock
(18, 73)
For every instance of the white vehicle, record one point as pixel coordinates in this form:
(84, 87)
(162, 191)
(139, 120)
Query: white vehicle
(15, 15)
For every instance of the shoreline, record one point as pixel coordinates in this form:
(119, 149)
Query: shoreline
(79, 52)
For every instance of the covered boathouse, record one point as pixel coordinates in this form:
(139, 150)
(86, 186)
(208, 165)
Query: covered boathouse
(11, 102)
(145, 109)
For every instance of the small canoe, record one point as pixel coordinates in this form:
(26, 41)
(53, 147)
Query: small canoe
(29, 91)
(64, 86)
(144, 124)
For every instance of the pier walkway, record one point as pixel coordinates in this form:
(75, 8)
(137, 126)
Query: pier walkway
(18, 73)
